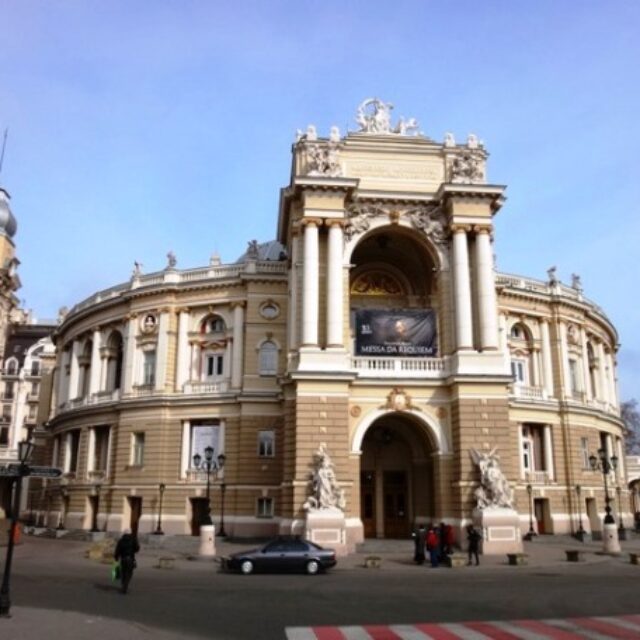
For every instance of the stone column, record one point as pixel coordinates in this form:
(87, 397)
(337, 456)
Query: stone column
(96, 363)
(564, 355)
(238, 324)
(129, 355)
(546, 356)
(548, 452)
(335, 331)
(91, 451)
(521, 469)
(486, 288)
(162, 349)
(602, 372)
(74, 372)
(462, 286)
(621, 462)
(62, 377)
(183, 351)
(535, 353)
(613, 386)
(585, 365)
(292, 312)
(104, 369)
(310, 275)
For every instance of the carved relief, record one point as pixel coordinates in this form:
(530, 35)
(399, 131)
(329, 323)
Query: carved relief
(376, 283)
(374, 116)
(399, 400)
(322, 159)
(431, 220)
(467, 168)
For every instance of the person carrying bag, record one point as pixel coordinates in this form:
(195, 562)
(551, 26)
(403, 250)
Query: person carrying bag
(125, 554)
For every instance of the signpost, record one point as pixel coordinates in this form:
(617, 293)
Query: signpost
(13, 471)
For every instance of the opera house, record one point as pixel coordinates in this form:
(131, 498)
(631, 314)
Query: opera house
(375, 326)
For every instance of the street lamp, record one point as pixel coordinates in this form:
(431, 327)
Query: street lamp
(622, 532)
(606, 465)
(96, 508)
(208, 465)
(531, 533)
(159, 531)
(25, 449)
(580, 533)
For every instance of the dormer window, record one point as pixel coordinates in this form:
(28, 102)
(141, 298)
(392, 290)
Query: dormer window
(214, 324)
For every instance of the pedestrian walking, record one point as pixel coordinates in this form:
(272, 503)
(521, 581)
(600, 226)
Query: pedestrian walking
(433, 546)
(125, 553)
(473, 538)
(419, 540)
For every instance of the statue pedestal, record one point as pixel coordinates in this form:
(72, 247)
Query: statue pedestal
(327, 527)
(500, 529)
(207, 541)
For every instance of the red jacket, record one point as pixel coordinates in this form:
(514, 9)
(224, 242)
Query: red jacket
(432, 540)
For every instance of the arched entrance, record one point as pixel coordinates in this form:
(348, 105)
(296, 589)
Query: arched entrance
(396, 476)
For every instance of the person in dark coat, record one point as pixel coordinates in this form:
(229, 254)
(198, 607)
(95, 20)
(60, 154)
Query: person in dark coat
(125, 552)
(451, 539)
(442, 540)
(473, 538)
(419, 540)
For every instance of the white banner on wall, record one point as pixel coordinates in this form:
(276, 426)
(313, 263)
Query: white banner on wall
(203, 436)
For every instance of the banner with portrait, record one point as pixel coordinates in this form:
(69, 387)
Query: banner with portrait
(403, 333)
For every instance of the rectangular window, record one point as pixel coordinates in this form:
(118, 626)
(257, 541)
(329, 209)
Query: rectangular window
(266, 444)
(35, 368)
(203, 436)
(214, 366)
(35, 388)
(573, 374)
(518, 371)
(4, 436)
(74, 449)
(265, 507)
(6, 413)
(149, 368)
(584, 453)
(8, 390)
(526, 455)
(137, 449)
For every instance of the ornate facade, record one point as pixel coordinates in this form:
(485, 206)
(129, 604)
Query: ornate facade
(375, 328)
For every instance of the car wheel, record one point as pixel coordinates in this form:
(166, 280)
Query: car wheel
(246, 566)
(313, 567)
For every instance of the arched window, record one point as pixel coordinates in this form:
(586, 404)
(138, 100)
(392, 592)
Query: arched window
(114, 363)
(12, 367)
(268, 358)
(213, 324)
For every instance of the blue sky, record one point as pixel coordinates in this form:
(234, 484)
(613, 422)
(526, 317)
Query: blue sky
(140, 127)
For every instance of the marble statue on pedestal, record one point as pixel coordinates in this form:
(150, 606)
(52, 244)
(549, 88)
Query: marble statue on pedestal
(325, 491)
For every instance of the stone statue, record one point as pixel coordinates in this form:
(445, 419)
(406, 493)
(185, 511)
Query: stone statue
(374, 116)
(334, 134)
(172, 261)
(214, 260)
(312, 134)
(494, 489)
(62, 314)
(325, 491)
(467, 169)
(431, 220)
(253, 253)
(472, 141)
(137, 269)
(551, 275)
(449, 140)
(576, 282)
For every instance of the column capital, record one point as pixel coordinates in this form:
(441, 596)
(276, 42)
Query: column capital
(131, 316)
(482, 228)
(459, 228)
(238, 303)
(182, 310)
(334, 222)
(311, 222)
(544, 320)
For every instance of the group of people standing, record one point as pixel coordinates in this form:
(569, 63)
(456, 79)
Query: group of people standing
(438, 542)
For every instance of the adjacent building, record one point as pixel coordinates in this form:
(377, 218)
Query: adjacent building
(375, 324)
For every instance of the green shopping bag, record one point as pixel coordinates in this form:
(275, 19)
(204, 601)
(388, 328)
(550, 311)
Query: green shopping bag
(115, 571)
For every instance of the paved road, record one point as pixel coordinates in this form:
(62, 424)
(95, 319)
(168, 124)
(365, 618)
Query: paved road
(194, 599)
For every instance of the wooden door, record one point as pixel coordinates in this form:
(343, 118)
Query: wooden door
(396, 517)
(135, 507)
(368, 502)
(538, 512)
(199, 511)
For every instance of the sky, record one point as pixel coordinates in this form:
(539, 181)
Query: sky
(139, 127)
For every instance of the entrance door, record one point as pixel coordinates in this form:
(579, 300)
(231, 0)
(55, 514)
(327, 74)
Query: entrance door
(198, 514)
(135, 508)
(594, 520)
(396, 517)
(539, 509)
(368, 502)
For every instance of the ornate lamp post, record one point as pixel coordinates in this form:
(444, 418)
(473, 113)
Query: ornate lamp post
(606, 465)
(580, 533)
(622, 532)
(159, 531)
(94, 522)
(209, 465)
(531, 533)
(25, 449)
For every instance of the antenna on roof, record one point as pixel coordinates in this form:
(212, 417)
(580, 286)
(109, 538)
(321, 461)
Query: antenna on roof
(4, 145)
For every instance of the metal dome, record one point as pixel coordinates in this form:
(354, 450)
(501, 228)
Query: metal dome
(271, 250)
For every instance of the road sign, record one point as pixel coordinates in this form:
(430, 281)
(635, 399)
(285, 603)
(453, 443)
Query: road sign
(44, 472)
(9, 470)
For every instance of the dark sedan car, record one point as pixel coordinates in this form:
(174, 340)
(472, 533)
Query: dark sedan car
(283, 555)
